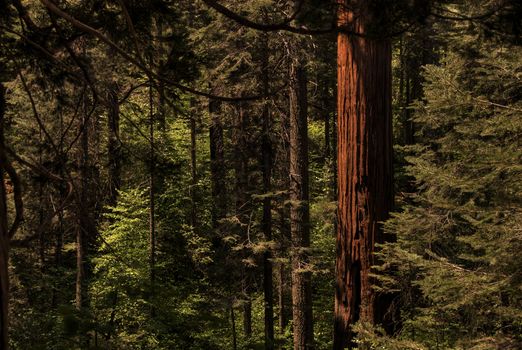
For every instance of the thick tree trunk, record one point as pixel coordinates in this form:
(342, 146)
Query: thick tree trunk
(299, 210)
(365, 193)
(266, 150)
(114, 147)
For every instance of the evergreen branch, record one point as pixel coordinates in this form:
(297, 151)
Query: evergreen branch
(272, 27)
(88, 29)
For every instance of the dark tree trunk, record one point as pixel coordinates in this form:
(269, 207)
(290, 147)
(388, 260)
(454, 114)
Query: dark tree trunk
(281, 298)
(299, 209)
(114, 146)
(233, 320)
(4, 233)
(58, 246)
(365, 192)
(284, 228)
(242, 209)
(217, 164)
(82, 233)
(266, 150)
(152, 222)
(193, 170)
(80, 267)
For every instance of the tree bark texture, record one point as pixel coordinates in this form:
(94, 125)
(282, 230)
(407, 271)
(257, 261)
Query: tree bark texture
(299, 210)
(365, 192)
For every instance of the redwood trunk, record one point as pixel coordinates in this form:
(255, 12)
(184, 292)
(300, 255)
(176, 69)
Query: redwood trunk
(365, 193)
(299, 210)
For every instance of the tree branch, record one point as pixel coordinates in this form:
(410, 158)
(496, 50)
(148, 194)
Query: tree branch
(269, 27)
(88, 29)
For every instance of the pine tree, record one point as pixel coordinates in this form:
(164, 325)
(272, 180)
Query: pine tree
(459, 234)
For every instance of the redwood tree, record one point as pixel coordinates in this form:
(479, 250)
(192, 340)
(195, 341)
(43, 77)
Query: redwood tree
(365, 192)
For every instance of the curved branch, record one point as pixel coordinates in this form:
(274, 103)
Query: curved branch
(129, 92)
(35, 111)
(88, 29)
(455, 16)
(268, 27)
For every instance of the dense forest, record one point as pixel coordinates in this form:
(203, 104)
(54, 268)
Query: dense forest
(261, 174)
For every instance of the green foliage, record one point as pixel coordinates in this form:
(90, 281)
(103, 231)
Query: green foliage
(131, 313)
(456, 260)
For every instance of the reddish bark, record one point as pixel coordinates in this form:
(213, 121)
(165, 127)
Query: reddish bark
(365, 192)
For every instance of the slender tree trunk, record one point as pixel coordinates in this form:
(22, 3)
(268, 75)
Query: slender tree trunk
(83, 211)
(281, 297)
(41, 208)
(4, 234)
(80, 269)
(60, 233)
(284, 229)
(247, 314)
(402, 74)
(193, 170)
(327, 127)
(266, 150)
(152, 223)
(364, 167)
(407, 122)
(58, 252)
(114, 147)
(217, 165)
(234, 333)
(242, 208)
(299, 209)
